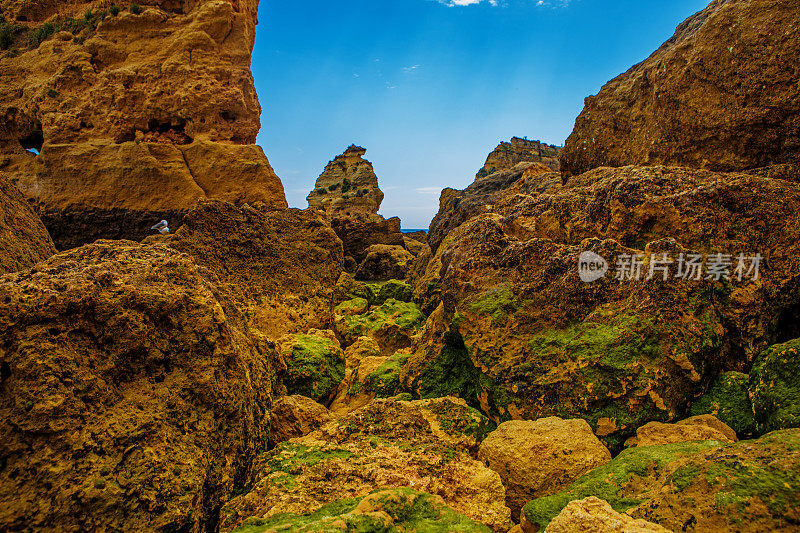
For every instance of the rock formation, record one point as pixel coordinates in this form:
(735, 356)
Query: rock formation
(507, 155)
(348, 186)
(136, 114)
(593, 515)
(702, 486)
(372, 449)
(348, 192)
(24, 241)
(279, 266)
(720, 94)
(133, 395)
(537, 458)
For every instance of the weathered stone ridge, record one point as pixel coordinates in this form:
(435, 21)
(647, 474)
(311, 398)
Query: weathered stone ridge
(24, 241)
(509, 154)
(136, 113)
(721, 94)
(348, 186)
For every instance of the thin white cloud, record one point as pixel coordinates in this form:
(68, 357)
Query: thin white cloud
(412, 68)
(429, 190)
(463, 3)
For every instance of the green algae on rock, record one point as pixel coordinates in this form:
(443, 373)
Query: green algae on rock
(391, 324)
(728, 400)
(387, 511)
(314, 365)
(775, 387)
(747, 486)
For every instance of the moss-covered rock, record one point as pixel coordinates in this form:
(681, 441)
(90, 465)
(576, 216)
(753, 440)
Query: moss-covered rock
(314, 364)
(729, 401)
(352, 307)
(394, 290)
(775, 387)
(385, 444)
(387, 511)
(391, 324)
(385, 380)
(747, 486)
(610, 482)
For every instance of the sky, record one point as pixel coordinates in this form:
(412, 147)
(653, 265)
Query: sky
(430, 87)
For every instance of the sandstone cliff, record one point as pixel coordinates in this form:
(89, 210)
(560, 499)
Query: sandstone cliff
(136, 114)
(348, 186)
(24, 241)
(721, 94)
(509, 154)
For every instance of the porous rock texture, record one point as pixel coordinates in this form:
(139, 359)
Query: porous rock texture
(509, 154)
(704, 427)
(295, 416)
(348, 192)
(374, 448)
(347, 186)
(132, 397)
(721, 94)
(593, 515)
(520, 334)
(705, 486)
(537, 458)
(24, 240)
(280, 266)
(136, 116)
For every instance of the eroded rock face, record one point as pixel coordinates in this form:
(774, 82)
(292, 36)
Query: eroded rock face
(295, 416)
(518, 332)
(280, 266)
(708, 486)
(133, 395)
(24, 240)
(721, 94)
(507, 155)
(539, 458)
(136, 116)
(593, 515)
(348, 186)
(371, 449)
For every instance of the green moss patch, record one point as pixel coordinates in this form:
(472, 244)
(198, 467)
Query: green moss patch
(497, 303)
(407, 511)
(315, 366)
(729, 400)
(404, 315)
(612, 481)
(385, 380)
(775, 387)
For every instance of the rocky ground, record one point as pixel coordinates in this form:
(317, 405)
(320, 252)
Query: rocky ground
(265, 369)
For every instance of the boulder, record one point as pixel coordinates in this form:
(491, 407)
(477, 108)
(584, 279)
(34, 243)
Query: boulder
(400, 509)
(719, 94)
(279, 265)
(705, 486)
(704, 427)
(392, 325)
(593, 515)
(24, 240)
(385, 262)
(314, 364)
(775, 387)
(541, 457)
(133, 396)
(386, 444)
(729, 401)
(295, 416)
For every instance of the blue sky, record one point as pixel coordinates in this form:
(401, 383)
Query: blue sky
(430, 87)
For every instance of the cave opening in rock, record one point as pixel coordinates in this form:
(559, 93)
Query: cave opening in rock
(34, 140)
(787, 327)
